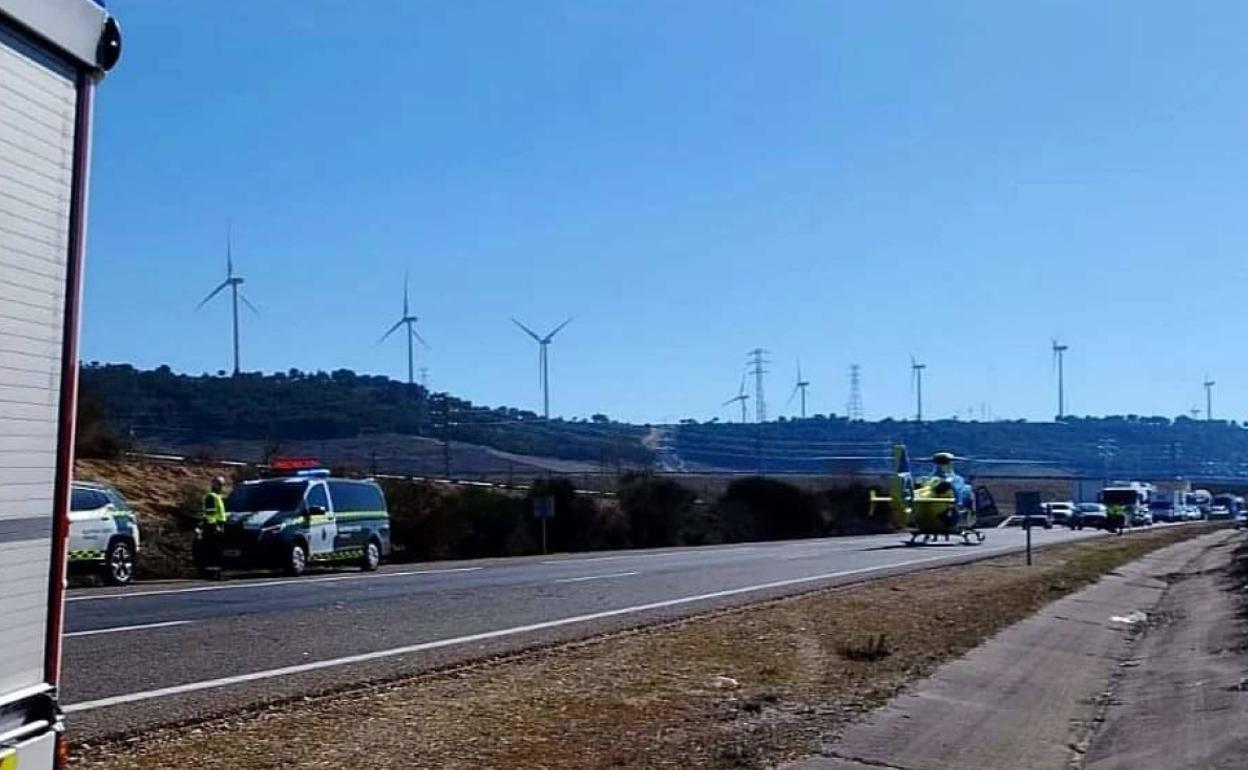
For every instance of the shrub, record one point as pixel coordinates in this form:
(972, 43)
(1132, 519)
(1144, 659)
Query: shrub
(575, 527)
(758, 508)
(420, 525)
(657, 509)
(848, 511)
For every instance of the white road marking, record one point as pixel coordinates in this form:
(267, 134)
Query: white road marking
(597, 577)
(119, 629)
(702, 551)
(210, 684)
(268, 584)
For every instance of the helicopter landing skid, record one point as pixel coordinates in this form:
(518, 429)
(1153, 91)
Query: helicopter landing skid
(969, 537)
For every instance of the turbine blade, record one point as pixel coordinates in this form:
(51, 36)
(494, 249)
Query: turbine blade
(416, 334)
(391, 330)
(791, 395)
(551, 336)
(247, 302)
(405, 311)
(212, 294)
(229, 248)
(527, 330)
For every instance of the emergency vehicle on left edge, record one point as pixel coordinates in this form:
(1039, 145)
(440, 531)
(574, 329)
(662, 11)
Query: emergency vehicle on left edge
(52, 55)
(103, 533)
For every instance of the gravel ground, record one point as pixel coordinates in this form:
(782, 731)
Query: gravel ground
(739, 688)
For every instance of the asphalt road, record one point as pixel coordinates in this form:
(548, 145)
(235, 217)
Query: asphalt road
(158, 653)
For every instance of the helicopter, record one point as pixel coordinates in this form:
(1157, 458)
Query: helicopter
(942, 505)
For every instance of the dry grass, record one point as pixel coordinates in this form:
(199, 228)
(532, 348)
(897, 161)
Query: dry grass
(746, 687)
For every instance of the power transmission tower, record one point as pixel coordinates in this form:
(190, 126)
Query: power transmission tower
(446, 436)
(758, 362)
(854, 410)
(424, 378)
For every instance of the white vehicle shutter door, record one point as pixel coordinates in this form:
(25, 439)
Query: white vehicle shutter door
(37, 109)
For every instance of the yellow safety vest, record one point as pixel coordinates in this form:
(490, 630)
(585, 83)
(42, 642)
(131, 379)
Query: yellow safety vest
(214, 508)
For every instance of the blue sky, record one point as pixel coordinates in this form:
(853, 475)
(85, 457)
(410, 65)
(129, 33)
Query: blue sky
(840, 182)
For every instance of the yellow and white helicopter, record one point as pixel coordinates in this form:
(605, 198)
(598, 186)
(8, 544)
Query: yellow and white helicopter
(939, 506)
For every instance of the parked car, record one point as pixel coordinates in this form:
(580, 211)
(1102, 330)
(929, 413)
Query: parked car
(1241, 520)
(1142, 519)
(1219, 512)
(1090, 516)
(1042, 520)
(1060, 512)
(103, 533)
(1192, 513)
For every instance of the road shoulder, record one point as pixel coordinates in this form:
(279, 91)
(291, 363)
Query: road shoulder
(1081, 683)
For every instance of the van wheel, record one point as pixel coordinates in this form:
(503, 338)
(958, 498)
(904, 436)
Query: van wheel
(297, 560)
(119, 563)
(372, 557)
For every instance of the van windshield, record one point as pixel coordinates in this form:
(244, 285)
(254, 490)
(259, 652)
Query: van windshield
(268, 496)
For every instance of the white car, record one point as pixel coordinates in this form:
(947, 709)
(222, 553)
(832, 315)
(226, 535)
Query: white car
(103, 533)
(1059, 512)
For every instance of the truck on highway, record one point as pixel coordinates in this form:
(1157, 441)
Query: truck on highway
(1201, 499)
(52, 54)
(1226, 506)
(1132, 498)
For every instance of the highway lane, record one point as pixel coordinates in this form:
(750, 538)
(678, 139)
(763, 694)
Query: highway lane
(157, 653)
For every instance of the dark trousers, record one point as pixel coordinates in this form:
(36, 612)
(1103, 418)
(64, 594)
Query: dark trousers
(209, 546)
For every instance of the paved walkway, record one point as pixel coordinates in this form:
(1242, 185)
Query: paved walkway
(1077, 685)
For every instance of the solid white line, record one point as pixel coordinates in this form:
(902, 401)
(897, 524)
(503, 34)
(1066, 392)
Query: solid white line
(597, 577)
(118, 629)
(269, 584)
(209, 684)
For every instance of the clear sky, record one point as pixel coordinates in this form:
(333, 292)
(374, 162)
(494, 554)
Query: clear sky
(840, 182)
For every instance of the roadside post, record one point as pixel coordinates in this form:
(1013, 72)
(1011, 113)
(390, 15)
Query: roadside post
(1027, 504)
(543, 509)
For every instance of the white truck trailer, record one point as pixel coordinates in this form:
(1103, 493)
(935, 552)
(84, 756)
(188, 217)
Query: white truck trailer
(52, 54)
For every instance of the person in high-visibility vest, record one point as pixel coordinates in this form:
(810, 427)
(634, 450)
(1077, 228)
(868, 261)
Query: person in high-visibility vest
(214, 503)
(211, 530)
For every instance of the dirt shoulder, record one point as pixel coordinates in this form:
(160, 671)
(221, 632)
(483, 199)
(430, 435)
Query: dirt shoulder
(748, 687)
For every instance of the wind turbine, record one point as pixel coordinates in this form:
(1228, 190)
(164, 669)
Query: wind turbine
(233, 282)
(916, 383)
(408, 320)
(543, 343)
(800, 386)
(1209, 397)
(741, 397)
(1059, 355)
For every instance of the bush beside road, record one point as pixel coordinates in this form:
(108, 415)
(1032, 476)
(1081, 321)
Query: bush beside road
(744, 687)
(436, 521)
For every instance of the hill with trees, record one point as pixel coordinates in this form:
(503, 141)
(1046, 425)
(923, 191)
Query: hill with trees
(160, 407)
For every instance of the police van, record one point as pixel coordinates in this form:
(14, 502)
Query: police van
(103, 533)
(295, 521)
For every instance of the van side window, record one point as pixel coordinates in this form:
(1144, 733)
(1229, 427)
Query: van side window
(356, 497)
(317, 496)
